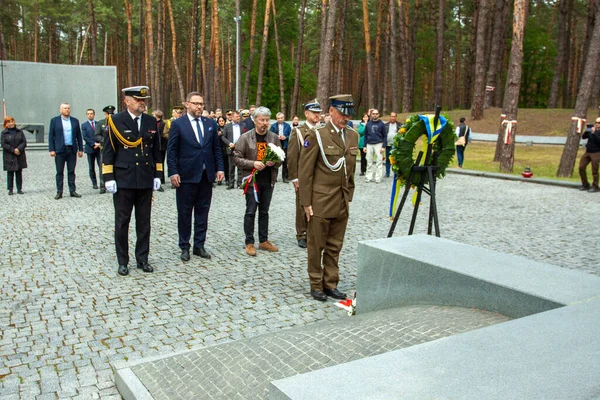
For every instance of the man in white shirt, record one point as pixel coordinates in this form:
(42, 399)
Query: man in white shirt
(231, 134)
(391, 129)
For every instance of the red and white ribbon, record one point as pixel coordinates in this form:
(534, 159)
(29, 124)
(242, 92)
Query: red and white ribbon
(502, 116)
(246, 182)
(508, 131)
(580, 123)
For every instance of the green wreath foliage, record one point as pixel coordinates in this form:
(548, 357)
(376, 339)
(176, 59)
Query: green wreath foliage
(401, 156)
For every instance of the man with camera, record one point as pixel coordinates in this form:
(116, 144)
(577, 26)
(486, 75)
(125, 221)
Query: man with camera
(591, 155)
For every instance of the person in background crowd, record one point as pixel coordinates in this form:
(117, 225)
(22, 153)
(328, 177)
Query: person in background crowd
(101, 135)
(218, 113)
(375, 142)
(92, 147)
(220, 130)
(160, 127)
(231, 135)
(65, 145)
(361, 143)
(248, 154)
(228, 115)
(295, 121)
(249, 119)
(283, 130)
(212, 115)
(462, 130)
(391, 129)
(13, 146)
(591, 155)
(176, 112)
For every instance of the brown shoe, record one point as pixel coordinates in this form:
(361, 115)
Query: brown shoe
(250, 250)
(268, 246)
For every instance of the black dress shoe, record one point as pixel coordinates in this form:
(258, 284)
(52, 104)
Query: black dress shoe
(336, 294)
(229, 187)
(20, 192)
(302, 243)
(94, 186)
(10, 193)
(75, 194)
(145, 267)
(160, 189)
(123, 270)
(318, 295)
(199, 251)
(582, 188)
(185, 255)
(593, 189)
(219, 183)
(102, 191)
(58, 196)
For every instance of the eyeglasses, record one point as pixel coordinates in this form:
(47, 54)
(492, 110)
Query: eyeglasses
(196, 103)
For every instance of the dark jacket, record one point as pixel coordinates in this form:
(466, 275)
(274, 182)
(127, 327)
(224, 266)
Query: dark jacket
(248, 124)
(375, 132)
(227, 136)
(244, 153)
(56, 136)
(88, 136)
(10, 142)
(132, 167)
(287, 129)
(593, 143)
(464, 130)
(186, 157)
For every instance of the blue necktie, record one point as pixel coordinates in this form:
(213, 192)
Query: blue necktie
(200, 138)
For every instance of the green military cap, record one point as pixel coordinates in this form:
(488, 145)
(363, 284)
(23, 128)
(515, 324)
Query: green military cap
(109, 109)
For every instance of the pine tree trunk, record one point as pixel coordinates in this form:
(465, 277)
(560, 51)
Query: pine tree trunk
(438, 84)
(217, 54)
(367, 36)
(511, 97)
(159, 69)
(323, 82)
(263, 53)
(560, 56)
(458, 57)
(567, 160)
(203, 47)
(174, 52)
(566, 97)
(129, 12)
(322, 44)
(94, 33)
(150, 56)
(193, 47)
(279, 65)
(377, 59)
(480, 64)
(340, 70)
(298, 66)
(469, 66)
(394, 55)
(251, 55)
(141, 38)
(497, 49)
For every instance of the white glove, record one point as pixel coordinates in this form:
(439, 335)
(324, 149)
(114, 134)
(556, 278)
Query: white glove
(111, 186)
(156, 184)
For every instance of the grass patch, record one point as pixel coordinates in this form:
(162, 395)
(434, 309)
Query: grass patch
(542, 159)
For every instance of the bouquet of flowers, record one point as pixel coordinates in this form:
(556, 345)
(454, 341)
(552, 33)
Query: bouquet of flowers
(274, 153)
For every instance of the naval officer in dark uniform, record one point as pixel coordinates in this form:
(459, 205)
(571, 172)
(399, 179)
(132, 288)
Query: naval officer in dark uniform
(132, 167)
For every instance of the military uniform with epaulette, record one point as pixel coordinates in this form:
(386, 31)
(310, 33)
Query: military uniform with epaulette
(295, 145)
(100, 136)
(131, 158)
(326, 184)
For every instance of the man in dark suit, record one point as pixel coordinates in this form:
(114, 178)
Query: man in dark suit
(193, 156)
(101, 136)
(92, 147)
(283, 130)
(231, 135)
(65, 145)
(132, 167)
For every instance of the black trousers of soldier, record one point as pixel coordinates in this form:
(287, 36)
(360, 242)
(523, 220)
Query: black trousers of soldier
(125, 200)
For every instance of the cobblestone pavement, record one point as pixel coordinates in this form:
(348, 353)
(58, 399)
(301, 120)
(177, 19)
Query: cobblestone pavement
(243, 369)
(65, 314)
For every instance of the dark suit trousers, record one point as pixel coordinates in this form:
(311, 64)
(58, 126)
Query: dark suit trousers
(265, 193)
(124, 201)
(94, 158)
(324, 242)
(70, 158)
(231, 172)
(196, 198)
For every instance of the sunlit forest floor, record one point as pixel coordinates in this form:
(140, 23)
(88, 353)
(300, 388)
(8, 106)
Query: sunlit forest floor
(531, 121)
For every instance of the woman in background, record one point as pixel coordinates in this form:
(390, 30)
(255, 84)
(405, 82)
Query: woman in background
(13, 144)
(221, 121)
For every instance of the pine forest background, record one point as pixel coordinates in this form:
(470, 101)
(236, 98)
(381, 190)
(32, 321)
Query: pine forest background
(396, 55)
